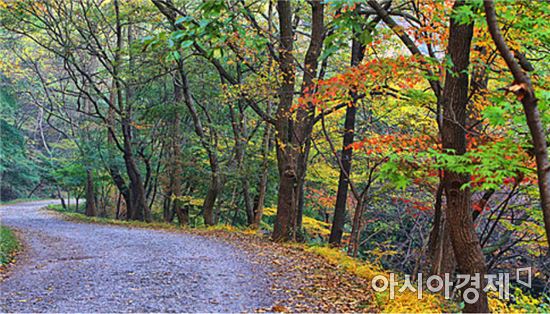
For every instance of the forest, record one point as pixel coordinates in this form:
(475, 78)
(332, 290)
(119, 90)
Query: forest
(410, 135)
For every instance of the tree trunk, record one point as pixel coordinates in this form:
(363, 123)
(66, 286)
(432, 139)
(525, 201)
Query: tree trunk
(526, 94)
(337, 229)
(287, 171)
(167, 208)
(248, 203)
(60, 195)
(90, 194)
(139, 208)
(454, 101)
(114, 171)
(118, 201)
(136, 204)
(239, 136)
(208, 142)
(293, 135)
(175, 164)
(262, 187)
(440, 248)
(210, 200)
(355, 235)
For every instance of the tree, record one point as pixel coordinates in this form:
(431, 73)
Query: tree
(454, 100)
(523, 88)
(293, 134)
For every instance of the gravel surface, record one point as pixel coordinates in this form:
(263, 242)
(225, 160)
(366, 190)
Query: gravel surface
(76, 267)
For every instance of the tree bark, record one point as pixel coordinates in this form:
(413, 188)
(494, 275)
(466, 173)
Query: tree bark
(293, 135)
(526, 94)
(139, 208)
(440, 248)
(90, 194)
(210, 200)
(466, 247)
(355, 235)
(287, 172)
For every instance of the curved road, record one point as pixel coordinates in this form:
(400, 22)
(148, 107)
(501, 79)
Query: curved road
(77, 267)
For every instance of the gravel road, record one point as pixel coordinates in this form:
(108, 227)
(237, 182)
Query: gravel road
(76, 267)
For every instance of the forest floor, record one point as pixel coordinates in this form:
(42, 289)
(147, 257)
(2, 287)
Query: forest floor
(69, 266)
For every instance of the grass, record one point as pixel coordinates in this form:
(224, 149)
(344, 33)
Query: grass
(70, 214)
(8, 245)
(20, 200)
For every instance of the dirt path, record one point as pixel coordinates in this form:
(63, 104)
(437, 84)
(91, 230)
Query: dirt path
(75, 267)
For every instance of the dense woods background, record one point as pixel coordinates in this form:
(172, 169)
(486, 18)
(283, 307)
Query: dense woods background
(412, 134)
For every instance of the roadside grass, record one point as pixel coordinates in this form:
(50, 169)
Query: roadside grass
(404, 302)
(8, 245)
(70, 214)
(20, 200)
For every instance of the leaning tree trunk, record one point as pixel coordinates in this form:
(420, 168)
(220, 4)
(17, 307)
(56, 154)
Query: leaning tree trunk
(526, 93)
(209, 145)
(136, 205)
(454, 101)
(337, 229)
(60, 195)
(355, 235)
(166, 8)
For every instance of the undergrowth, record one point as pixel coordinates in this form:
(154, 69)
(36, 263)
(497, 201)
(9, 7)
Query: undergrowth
(8, 245)
(405, 302)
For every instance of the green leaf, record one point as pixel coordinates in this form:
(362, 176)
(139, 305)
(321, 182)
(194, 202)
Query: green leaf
(217, 53)
(495, 115)
(186, 44)
(365, 37)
